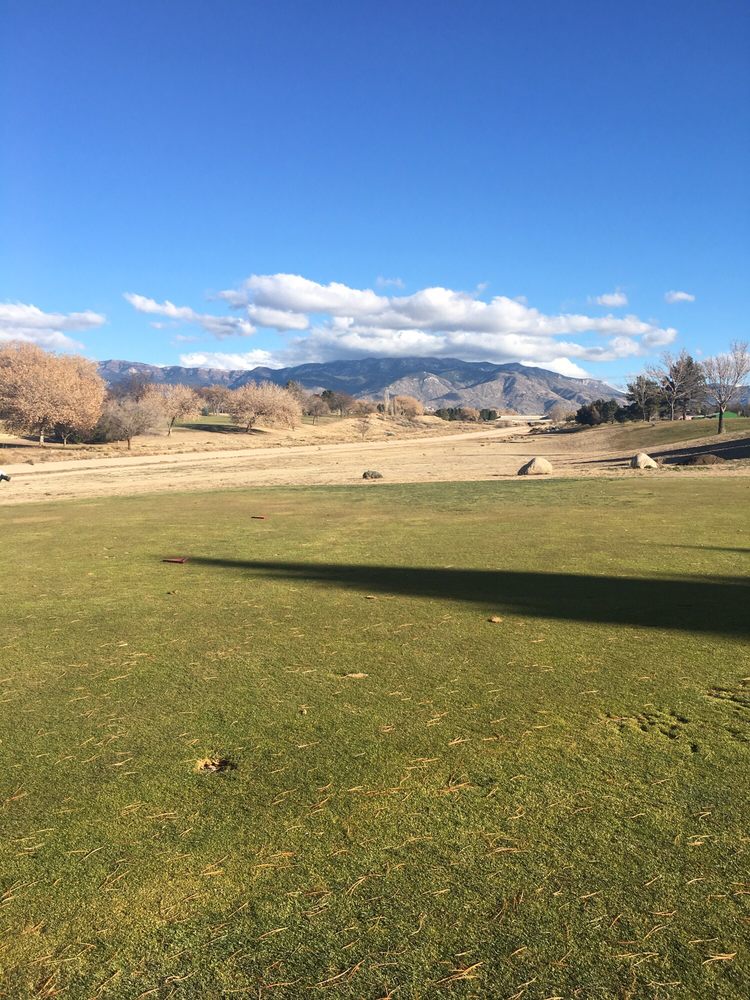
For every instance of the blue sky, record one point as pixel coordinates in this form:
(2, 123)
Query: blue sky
(292, 181)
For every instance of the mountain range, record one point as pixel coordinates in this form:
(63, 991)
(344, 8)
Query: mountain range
(436, 382)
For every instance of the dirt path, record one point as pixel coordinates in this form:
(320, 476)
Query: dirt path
(457, 457)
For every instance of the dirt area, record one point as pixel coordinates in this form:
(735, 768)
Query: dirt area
(218, 434)
(425, 456)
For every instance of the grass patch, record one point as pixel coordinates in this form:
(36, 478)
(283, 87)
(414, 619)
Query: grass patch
(664, 432)
(480, 740)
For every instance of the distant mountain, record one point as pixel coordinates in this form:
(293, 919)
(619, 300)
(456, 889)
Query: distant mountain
(437, 382)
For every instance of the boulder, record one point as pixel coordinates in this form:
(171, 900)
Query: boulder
(536, 467)
(642, 461)
(372, 474)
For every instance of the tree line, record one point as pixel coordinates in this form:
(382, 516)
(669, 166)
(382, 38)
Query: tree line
(467, 413)
(63, 397)
(676, 388)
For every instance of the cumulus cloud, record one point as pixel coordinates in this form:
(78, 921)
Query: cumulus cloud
(675, 296)
(218, 326)
(563, 366)
(352, 322)
(230, 362)
(28, 323)
(612, 300)
(336, 321)
(382, 282)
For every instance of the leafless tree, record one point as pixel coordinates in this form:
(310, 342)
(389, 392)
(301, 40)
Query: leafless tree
(407, 406)
(264, 403)
(671, 375)
(43, 393)
(363, 426)
(125, 417)
(177, 401)
(363, 407)
(316, 407)
(469, 413)
(214, 397)
(725, 373)
(561, 411)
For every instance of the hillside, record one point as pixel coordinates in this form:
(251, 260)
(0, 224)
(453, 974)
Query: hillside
(436, 382)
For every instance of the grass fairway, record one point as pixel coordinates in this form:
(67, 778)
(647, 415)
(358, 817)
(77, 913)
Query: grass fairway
(548, 805)
(666, 432)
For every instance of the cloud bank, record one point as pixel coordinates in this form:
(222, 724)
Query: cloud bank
(230, 362)
(28, 323)
(337, 321)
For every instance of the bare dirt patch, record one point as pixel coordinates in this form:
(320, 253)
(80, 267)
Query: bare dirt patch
(453, 456)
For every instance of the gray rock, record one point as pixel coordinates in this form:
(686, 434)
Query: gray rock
(372, 474)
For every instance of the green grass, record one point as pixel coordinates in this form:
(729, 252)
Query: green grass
(551, 805)
(666, 432)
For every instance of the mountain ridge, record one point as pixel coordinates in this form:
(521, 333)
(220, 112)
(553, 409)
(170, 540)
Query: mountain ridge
(436, 382)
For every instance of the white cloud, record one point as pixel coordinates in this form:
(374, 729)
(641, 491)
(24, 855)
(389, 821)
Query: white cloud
(27, 323)
(218, 326)
(230, 362)
(335, 321)
(277, 319)
(382, 282)
(563, 366)
(674, 296)
(613, 300)
(293, 293)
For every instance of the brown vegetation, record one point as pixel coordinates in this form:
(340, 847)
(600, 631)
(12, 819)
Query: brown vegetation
(46, 394)
(264, 402)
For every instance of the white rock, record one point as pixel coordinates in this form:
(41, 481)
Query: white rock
(642, 461)
(536, 467)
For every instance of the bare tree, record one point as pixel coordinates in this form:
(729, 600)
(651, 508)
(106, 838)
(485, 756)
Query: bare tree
(125, 417)
(469, 413)
(363, 426)
(671, 376)
(363, 407)
(725, 373)
(177, 401)
(215, 397)
(561, 411)
(45, 394)
(644, 393)
(407, 406)
(135, 385)
(316, 407)
(265, 403)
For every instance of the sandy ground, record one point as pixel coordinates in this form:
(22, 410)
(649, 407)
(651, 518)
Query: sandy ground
(222, 436)
(476, 455)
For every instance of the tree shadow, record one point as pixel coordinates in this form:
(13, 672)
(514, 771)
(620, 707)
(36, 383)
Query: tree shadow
(690, 604)
(708, 548)
(219, 428)
(730, 450)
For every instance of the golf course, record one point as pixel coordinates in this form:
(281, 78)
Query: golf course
(471, 739)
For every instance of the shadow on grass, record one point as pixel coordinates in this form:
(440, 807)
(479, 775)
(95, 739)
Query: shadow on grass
(709, 548)
(220, 428)
(727, 449)
(692, 604)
